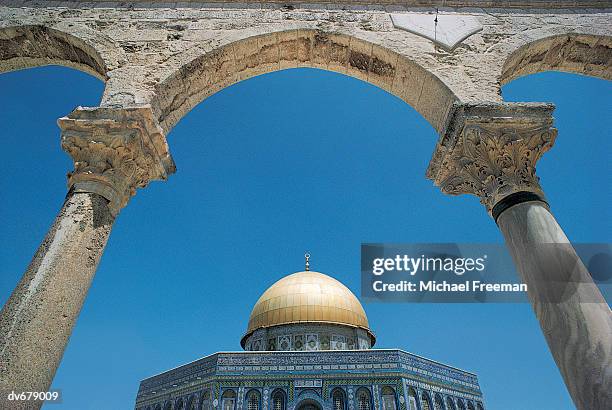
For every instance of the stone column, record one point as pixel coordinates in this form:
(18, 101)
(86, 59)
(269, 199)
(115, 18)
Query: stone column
(491, 150)
(114, 152)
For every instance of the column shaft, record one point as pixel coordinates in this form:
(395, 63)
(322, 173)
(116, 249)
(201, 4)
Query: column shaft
(37, 320)
(574, 316)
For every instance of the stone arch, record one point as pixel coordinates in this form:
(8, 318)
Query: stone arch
(450, 404)
(30, 46)
(438, 402)
(278, 399)
(388, 398)
(307, 403)
(228, 399)
(460, 404)
(309, 396)
(363, 398)
(179, 404)
(413, 399)
(208, 73)
(425, 400)
(338, 399)
(252, 400)
(587, 54)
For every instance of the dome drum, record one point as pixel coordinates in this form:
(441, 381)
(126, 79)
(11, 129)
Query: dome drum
(306, 337)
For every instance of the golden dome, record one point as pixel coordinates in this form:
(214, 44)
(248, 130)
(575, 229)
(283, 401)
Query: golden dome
(307, 297)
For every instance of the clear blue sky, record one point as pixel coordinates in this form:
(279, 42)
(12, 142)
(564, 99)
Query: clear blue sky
(268, 168)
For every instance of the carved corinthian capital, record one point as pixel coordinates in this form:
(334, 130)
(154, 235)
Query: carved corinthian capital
(491, 150)
(114, 151)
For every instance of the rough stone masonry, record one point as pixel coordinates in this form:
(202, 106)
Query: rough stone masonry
(173, 55)
(447, 59)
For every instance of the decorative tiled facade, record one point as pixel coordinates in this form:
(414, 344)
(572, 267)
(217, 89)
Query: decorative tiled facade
(310, 377)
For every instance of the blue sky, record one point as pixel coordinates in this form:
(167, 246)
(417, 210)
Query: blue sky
(268, 168)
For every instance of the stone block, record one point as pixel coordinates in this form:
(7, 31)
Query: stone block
(359, 59)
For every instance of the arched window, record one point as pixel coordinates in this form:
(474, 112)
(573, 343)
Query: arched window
(450, 405)
(179, 405)
(425, 404)
(363, 399)
(470, 406)
(438, 403)
(192, 402)
(338, 399)
(412, 399)
(228, 400)
(168, 406)
(253, 399)
(460, 404)
(278, 400)
(205, 400)
(388, 398)
(479, 406)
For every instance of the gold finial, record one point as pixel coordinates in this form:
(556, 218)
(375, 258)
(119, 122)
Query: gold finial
(307, 256)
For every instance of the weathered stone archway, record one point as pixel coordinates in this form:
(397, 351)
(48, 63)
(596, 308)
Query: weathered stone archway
(587, 54)
(208, 73)
(159, 61)
(70, 45)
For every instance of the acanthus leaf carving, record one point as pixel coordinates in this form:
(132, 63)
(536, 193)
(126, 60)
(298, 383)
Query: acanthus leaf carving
(114, 151)
(493, 156)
